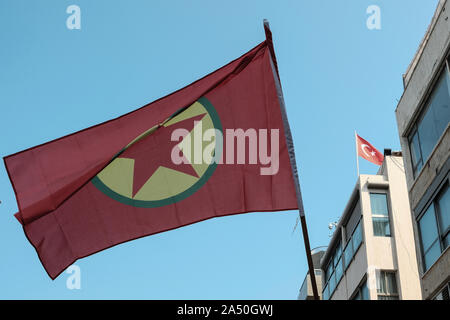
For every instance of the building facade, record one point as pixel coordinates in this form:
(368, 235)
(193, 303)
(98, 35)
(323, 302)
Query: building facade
(371, 254)
(306, 292)
(423, 116)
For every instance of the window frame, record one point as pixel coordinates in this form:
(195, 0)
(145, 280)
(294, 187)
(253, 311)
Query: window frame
(415, 166)
(387, 294)
(437, 209)
(445, 186)
(425, 105)
(388, 207)
(327, 288)
(440, 294)
(358, 290)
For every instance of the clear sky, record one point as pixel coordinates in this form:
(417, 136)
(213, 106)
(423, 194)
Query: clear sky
(337, 75)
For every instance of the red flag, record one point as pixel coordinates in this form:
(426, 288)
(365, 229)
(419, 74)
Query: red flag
(368, 152)
(142, 173)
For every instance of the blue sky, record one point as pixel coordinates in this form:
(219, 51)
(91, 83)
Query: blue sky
(337, 76)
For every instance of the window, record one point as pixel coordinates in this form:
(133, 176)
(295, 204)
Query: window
(431, 124)
(355, 216)
(329, 272)
(348, 254)
(443, 204)
(444, 294)
(332, 284)
(334, 271)
(339, 259)
(325, 293)
(429, 236)
(339, 271)
(357, 238)
(380, 214)
(352, 246)
(434, 227)
(387, 286)
(337, 254)
(362, 293)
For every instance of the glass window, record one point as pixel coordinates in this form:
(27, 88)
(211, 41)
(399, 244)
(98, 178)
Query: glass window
(443, 202)
(429, 237)
(380, 214)
(444, 294)
(325, 293)
(357, 238)
(416, 154)
(329, 272)
(433, 122)
(332, 283)
(353, 220)
(432, 254)
(348, 254)
(339, 271)
(364, 292)
(387, 286)
(381, 227)
(378, 204)
(337, 254)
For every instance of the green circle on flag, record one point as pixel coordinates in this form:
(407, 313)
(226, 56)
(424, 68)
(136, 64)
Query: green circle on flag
(166, 185)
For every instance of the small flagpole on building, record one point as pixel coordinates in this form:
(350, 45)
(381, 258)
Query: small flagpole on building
(291, 153)
(357, 157)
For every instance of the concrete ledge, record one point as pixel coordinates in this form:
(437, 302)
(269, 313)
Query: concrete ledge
(436, 276)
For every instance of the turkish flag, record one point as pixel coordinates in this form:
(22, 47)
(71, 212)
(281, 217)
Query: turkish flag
(368, 152)
(141, 173)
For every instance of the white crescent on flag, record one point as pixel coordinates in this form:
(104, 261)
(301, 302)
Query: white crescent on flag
(368, 152)
(372, 153)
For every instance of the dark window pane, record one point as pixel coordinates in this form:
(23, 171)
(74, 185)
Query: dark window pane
(415, 152)
(447, 240)
(352, 221)
(348, 254)
(440, 106)
(364, 292)
(381, 227)
(391, 283)
(444, 210)
(381, 283)
(436, 118)
(329, 271)
(339, 271)
(386, 284)
(378, 204)
(357, 238)
(427, 134)
(325, 293)
(337, 253)
(332, 283)
(445, 294)
(428, 228)
(432, 254)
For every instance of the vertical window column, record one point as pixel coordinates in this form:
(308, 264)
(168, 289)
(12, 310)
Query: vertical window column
(380, 214)
(387, 286)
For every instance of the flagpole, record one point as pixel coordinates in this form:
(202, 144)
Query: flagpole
(357, 158)
(290, 147)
